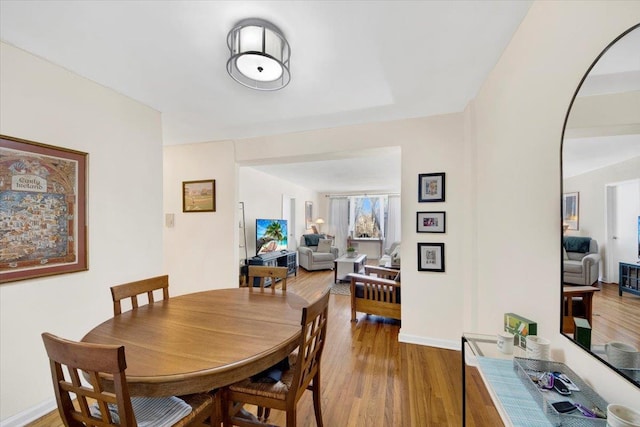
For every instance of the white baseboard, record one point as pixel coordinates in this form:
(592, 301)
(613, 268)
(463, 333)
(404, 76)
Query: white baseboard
(430, 342)
(31, 414)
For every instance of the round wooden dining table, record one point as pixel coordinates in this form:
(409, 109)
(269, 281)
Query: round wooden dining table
(198, 342)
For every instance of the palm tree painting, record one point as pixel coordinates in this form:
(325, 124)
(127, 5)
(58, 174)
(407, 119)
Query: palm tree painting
(271, 235)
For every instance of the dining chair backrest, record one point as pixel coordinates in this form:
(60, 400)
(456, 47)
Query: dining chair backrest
(312, 340)
(264, 271)
(88, 361)
(134, 289)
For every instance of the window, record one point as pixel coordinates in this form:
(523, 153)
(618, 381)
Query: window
(366, 218)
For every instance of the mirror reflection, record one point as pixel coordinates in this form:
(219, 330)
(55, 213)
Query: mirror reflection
(601, 210)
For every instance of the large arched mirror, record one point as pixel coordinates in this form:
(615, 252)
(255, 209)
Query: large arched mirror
(601, 209)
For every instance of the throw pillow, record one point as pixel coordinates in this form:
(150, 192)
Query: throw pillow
(324, 245)
(312, 239)
(564, 253)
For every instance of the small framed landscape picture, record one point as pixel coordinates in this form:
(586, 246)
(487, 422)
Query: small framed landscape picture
(431, 187)
(431, 222)
(431, 257)
(199, 196)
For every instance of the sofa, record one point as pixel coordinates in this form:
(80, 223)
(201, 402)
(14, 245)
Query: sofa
(375, 292)
(391, 257)
(581, 261)
(315, 252)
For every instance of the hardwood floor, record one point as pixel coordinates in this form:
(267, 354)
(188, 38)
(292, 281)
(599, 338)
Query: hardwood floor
(615, 318)
(369, 379)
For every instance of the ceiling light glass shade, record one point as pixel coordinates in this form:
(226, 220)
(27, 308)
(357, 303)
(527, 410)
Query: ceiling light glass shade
(259, 55)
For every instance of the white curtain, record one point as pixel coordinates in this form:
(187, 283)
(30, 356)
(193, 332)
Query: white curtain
(339, 220)
(393, 228)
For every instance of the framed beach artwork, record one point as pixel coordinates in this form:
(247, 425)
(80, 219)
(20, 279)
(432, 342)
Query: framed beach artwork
(431, 187)
(43, 198)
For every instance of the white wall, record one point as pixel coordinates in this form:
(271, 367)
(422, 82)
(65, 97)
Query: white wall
(45, 103)
(433, 144)
(518, 119)
(200, 250)
(262, 196)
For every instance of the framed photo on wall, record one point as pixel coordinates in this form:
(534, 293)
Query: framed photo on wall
(571, 210)
(43, 203)
(199, 196)
(431, 187)
(431, 257)
(431, 222)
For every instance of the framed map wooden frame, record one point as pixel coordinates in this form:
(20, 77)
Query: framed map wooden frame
(43, 197)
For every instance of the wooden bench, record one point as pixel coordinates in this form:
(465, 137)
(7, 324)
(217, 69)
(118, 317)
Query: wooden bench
(375, 292)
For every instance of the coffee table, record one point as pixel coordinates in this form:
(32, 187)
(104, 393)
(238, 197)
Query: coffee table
(345, 265)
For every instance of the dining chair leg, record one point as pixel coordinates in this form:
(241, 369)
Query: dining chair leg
(216, 412)
(315, 388)
(292, 414)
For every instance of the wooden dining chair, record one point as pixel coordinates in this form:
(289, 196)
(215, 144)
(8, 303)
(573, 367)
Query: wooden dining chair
(102, 404)
(134, 289)
(303, 374)
(262, 272)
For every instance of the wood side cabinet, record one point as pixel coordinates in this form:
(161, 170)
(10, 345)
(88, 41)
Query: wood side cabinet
(629, 278)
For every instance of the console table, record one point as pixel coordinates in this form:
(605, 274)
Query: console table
(629, 278)
(510, 396)
(370, 246)
(287, 259)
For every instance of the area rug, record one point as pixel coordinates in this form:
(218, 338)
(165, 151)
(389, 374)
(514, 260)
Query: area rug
(341, 289)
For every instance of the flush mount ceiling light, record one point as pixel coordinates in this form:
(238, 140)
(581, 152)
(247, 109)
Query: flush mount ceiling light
(259, 55)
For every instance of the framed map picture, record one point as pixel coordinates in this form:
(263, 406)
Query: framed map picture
(42, 210)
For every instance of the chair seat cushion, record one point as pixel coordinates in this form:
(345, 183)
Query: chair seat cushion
(571, 266)
(323, 257)
(153, 411)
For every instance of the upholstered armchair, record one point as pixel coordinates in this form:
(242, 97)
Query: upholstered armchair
(316, 252)
(391, 257)
(581, 263)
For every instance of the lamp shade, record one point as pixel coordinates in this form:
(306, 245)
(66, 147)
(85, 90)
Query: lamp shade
(259, 55)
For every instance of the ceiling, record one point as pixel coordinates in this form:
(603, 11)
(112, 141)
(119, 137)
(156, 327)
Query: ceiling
(616, 72)
(352, 62)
